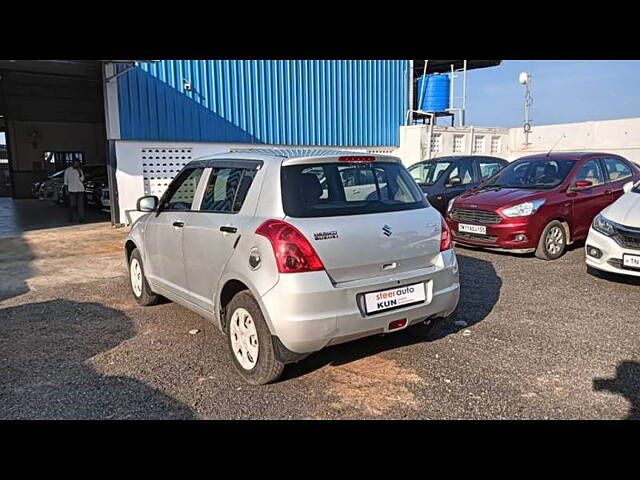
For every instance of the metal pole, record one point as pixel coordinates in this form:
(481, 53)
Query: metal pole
(528, 100)
(424, 73)
(464, 95)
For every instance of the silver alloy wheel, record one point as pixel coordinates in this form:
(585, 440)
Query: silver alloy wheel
(244, 338)
(555, 240)
(136, 277)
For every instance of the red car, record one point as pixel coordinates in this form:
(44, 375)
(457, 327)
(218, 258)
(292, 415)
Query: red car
(540, 203)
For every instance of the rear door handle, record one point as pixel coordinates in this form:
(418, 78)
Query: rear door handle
(178, 224)
(228, 229)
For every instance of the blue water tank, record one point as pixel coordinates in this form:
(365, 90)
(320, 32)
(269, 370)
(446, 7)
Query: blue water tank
(434, 92)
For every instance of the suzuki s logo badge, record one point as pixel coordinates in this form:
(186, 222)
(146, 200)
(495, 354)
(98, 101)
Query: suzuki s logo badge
(387, 230)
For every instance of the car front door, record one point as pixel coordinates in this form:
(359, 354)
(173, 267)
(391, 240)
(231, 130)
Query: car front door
(587, 203)
(213, 231)
(164, 230)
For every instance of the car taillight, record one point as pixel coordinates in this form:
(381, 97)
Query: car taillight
(445, 238)
(294, 253)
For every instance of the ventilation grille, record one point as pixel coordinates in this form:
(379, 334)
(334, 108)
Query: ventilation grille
(160, 166)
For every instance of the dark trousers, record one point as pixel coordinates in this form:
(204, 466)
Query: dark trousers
(76, 203)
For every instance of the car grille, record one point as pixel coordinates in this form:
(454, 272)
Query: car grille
(477, 237)
(617, 263)
(628, 238)
(475, 216)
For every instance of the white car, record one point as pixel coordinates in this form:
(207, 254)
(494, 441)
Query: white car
(613, 244)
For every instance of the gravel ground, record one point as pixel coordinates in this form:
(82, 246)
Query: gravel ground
(540, 340)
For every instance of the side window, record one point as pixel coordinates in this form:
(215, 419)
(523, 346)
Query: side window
(462, 170)
(616, 169)
(183, 190)
(417, 172)
(591, 172)
(488, 168)
(227, 189)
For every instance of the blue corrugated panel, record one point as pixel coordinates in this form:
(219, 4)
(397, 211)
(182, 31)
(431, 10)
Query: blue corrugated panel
(291, 102)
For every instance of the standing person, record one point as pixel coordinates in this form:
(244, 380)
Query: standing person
(73, 182)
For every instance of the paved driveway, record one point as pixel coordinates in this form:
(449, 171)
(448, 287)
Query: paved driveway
(540, 340)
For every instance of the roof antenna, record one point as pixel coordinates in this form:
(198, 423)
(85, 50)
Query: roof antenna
(555, 145)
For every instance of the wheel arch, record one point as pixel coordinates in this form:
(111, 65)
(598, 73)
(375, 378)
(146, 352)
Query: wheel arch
(129, 247)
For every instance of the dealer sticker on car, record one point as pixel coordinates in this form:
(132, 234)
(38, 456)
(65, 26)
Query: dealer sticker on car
(463, 227)
(395, 297)
(632, 261)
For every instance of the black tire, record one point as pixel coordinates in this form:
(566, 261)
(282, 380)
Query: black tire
(146, 296)
(553, 241)
(267, 367)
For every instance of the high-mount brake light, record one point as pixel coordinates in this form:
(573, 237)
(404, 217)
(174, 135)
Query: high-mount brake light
(294, 253)
(356, 158)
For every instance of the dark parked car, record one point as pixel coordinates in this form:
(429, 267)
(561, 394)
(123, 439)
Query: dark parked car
(541, 202)
(93, 188)
(444, 178)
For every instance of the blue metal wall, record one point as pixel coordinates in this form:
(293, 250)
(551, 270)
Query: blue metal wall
(296, 102)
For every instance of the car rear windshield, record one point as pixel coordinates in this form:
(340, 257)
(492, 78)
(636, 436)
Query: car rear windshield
(332, 189)
(536, 173)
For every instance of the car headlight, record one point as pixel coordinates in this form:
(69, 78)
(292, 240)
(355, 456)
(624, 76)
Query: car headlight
(604, 226)
(450, 206)
(523, 209)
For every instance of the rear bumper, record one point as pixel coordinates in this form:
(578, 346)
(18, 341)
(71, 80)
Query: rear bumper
(503, 235)
(611, 260)
(307, 312)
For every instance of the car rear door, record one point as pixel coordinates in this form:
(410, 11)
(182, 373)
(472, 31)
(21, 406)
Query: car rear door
(214, 229)
(587, 203)
(164, 262)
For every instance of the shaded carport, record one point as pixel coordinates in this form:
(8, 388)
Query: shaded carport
(49, 110)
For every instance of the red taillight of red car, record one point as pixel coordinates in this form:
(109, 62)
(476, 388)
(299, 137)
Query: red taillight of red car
(294, 253)
(445, 238)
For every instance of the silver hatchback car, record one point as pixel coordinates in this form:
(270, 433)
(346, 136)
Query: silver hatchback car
(289, 251)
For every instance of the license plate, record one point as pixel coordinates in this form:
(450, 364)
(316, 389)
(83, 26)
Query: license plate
(463, 227)
(631, 261)
(394, 297)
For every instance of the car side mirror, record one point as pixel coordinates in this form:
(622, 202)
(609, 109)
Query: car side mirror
(627, 187)
(147, 204)
(453, 181)
(582, 185)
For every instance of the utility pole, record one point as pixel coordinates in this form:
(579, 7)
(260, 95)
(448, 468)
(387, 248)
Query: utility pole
(526, 80)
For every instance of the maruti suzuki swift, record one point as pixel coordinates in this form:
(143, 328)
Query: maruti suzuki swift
(289, 251)
(540, 203)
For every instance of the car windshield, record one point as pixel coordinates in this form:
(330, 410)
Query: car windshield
(428, 173)
(332, 189)
(537, 173)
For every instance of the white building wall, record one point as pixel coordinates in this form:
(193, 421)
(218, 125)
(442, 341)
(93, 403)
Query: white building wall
(609, 136)
(415, 145)
(621, 137)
